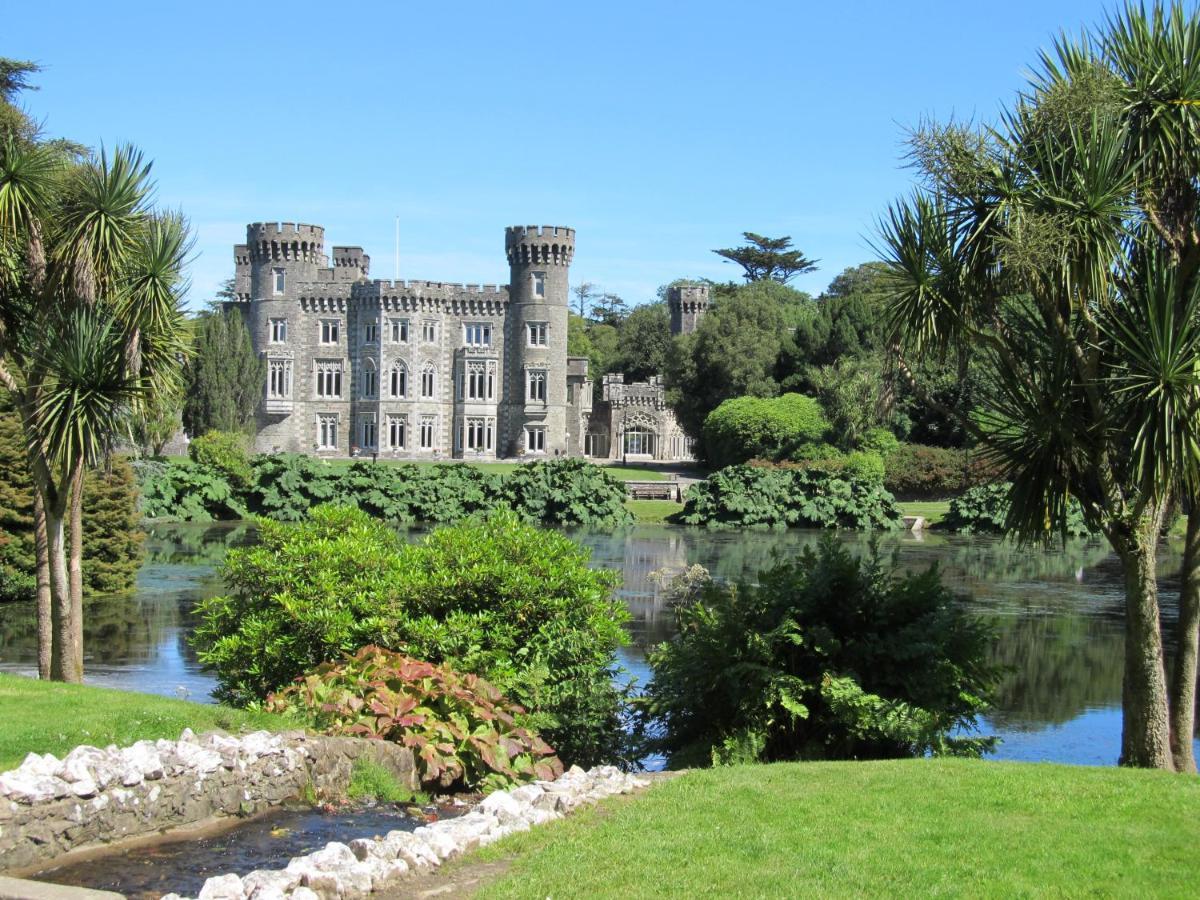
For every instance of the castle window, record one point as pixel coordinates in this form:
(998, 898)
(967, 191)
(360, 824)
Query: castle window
(535, 439)
(639, 441)
(428, 429)
(329, 378)
(535, 379)
(278, 331)
(397, 432)
(370, 381)
(477, 382)
(327, 436)
(477, 334)
(368, 431)
(398, 386)
(330, 331)
(477, 433)
(539, 284)
(429, 332)
(278, 281)
(428, 381)
(371, 333)
(279, 379)
(538, 333)
(399, 331)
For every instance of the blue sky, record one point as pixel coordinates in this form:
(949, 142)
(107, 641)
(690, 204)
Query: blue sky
(658, 130)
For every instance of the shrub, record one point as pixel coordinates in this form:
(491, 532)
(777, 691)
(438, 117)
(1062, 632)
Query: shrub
(495, 597)
(224, 452)
(778, 497)
(915, 471)
(113, 542)
(811, 453)
(881, 440)
(461, 730)
(287, 485)
(186, 491)
(567, 492)
(825, 658)
(985, 509)
(746, 428)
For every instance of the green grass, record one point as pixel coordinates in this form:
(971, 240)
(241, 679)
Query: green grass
(48, 717)
(912, 828)
(652, 511)
(933, 510)
(370, 780)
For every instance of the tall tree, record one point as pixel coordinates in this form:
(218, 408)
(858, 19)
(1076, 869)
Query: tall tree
(1062, 249)
(585, 295)
(643, 341)
(225, 375)
(768, 259)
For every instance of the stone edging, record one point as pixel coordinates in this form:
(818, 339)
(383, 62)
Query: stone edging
(348, 871)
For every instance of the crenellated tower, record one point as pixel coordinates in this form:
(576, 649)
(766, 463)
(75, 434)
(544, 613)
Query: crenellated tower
(539, 258)
(687, 303)
(276, 257)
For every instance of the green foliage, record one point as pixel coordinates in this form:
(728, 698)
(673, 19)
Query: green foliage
(915, 471)
(112, 539)
(186, 491)
(827, 657)
(764, 258)
(643, 341)
(225, 452)
(865, 464)
(371, 781)
(566, 492)
(746, 428)
(985, 508)
(880, 440)
(225, 376)
(461, 730)
(495, 597)
(757, 496)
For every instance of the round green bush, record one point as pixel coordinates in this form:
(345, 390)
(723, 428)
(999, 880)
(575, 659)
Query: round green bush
(746, 428)
(881, 440)
(225, 452)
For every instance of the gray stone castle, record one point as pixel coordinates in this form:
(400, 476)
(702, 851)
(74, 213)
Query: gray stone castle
(429, 369)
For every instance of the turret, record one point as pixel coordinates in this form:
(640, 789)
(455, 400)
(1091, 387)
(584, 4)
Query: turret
(539, 258)
(687, 303)
(281, 256)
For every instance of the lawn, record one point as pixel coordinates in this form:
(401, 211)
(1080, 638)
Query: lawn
(911, 828)
(652, 511)
(933, 510)
(49, 717)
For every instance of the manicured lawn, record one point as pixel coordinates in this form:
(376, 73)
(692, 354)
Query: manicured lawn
(933, 510)
(46, 717)
(912, 828)
(652, 511)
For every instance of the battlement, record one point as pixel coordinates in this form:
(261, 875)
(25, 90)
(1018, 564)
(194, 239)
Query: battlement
(687, 303)
(257, 231)
(349, 257)
(285, 241)
(439, 287)
(688, 293)
(539, 244)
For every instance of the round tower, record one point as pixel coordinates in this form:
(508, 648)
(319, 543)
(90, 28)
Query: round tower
(687, 303)
(539, 257)
(283, 255)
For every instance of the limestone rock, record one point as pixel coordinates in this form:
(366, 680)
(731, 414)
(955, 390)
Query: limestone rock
(223, 887)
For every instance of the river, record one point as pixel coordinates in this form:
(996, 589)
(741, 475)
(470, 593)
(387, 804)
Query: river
(1057, 615)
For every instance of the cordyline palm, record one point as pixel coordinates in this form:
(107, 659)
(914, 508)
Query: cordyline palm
(90, 327)
(1062, 248)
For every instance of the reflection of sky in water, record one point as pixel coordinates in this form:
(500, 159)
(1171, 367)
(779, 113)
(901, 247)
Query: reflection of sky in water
(1057, 614)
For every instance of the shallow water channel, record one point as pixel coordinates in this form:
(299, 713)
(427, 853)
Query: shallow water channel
(1057, 613)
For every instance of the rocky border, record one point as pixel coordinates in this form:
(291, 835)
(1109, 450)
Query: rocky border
(347, 871)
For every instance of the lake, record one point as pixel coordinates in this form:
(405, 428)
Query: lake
(1057, 613)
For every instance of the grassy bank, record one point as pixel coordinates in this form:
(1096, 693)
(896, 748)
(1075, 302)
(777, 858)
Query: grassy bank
(933, 510)
(905, 828)
(47, 717)
(652, 511)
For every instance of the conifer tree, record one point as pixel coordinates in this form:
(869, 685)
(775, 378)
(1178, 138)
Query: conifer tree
(225, 376)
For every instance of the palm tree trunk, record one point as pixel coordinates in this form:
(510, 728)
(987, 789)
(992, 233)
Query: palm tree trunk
(75, 567)
(1145, 733)
(62, 664)
(1187, 632)
(45, 625)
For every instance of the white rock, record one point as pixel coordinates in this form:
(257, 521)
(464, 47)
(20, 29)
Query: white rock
(144, 757)
(303, 893)
(441, 841)
(269, 884)
(85, 764)
(527, 794)
(222, 887)
(30, 788)
(187, 735)
(84, 787)
(198, 759)
(40, 764)
(504, 806)
(333, 856)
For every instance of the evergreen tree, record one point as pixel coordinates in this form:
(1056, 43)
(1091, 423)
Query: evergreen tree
(225, 375)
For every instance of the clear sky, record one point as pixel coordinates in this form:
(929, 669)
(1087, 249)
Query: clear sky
(658, 130)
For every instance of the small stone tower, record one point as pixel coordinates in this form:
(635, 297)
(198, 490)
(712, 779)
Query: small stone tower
(536, 386)
(687, 303)
(276, 257)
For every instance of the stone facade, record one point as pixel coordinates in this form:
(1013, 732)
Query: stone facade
(423, 369)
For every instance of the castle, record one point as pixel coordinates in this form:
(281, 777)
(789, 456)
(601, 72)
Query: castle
(428, 369)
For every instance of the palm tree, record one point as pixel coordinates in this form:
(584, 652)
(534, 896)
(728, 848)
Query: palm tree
(1062, 248)
(91, 328)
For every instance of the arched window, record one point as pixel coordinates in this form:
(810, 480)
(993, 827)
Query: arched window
(398, 380)
(428, 381)
(370, 381)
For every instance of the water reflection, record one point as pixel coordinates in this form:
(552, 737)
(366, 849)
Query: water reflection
(1057, 614)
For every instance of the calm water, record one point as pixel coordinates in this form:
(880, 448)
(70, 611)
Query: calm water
(1057, 613)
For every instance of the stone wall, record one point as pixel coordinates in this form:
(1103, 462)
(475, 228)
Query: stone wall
(94, 797)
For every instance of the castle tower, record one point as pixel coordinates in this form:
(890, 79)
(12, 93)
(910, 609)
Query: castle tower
(536, 389)
(276, 257)
(687, 303)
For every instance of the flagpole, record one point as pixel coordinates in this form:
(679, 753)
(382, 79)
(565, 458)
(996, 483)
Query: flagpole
(397, 257)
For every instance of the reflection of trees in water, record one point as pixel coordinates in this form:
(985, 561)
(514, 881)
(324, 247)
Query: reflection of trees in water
(181, 543)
